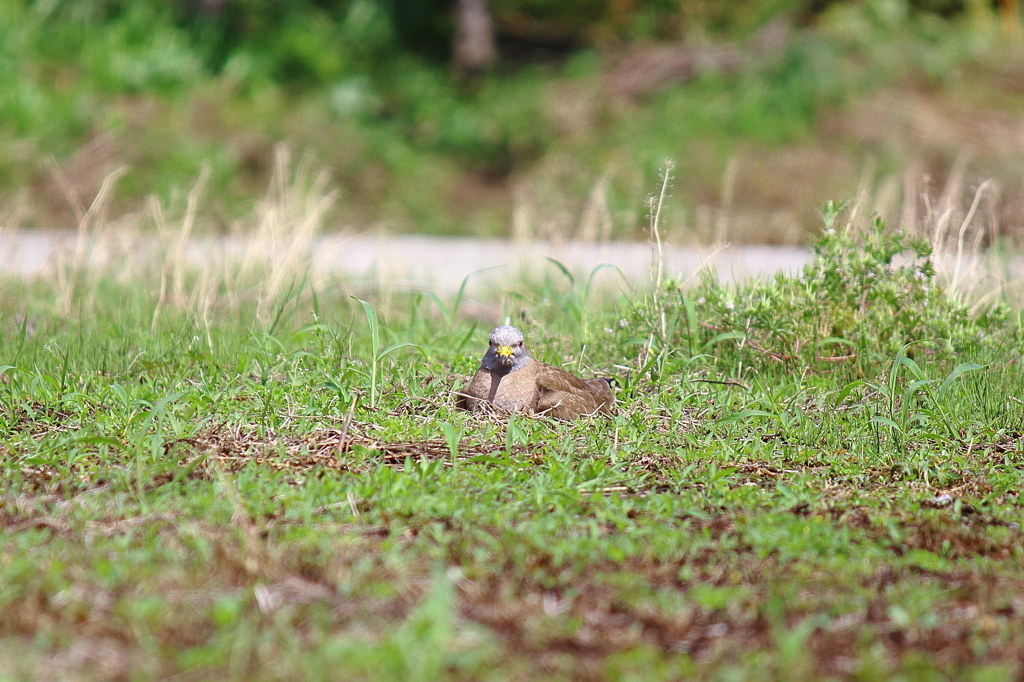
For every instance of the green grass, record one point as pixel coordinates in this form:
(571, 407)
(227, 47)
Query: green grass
(235, 495)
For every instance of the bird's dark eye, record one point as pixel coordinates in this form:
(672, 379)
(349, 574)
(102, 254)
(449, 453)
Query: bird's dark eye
(520, 344)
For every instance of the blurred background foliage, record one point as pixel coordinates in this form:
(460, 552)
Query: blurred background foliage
(584, 101)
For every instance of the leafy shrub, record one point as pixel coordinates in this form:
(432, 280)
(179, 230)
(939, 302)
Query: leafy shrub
(863, 296)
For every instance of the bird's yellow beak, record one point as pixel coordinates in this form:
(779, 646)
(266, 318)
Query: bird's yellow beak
(505, 351)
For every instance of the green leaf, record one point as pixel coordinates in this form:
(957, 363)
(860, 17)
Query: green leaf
(691, 324)
(495, 461)
(599, 268)
(122, 395)
(445, 313)
(161, 404)
(916, 386)
(187, 470)
(396, 346)
(452, 436)
(909, 394)
(97, 440)
(912, 366)
(879, 419)
(957, 371)
(372, 323)
(565, 270)
(746, 414)
(458, 299)
(835, 341)
(465, 339)
(724, 336)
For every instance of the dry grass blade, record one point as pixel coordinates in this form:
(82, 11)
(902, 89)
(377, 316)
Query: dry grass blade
(69, 281)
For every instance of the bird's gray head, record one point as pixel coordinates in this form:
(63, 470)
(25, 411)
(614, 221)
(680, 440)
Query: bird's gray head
(507, 352)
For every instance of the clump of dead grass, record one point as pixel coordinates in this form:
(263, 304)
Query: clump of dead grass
(266, 256)
(973, 246)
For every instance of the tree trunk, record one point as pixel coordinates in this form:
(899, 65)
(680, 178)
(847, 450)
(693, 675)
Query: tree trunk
(473, 50)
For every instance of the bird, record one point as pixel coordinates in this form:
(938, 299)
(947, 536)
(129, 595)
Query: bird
(512, 381)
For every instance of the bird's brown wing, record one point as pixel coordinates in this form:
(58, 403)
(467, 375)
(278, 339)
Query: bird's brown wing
(602, 391)
(477, 390)
(518, 391)
(566, 396)
(513, 392)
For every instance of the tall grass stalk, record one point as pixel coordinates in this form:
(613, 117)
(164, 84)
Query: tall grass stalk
(655, 205)
(70, 279)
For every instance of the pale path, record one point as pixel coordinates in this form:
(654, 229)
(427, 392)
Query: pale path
(441, 263)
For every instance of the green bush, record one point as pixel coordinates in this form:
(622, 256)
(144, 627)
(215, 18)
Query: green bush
(864, 295)
(365, 86)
